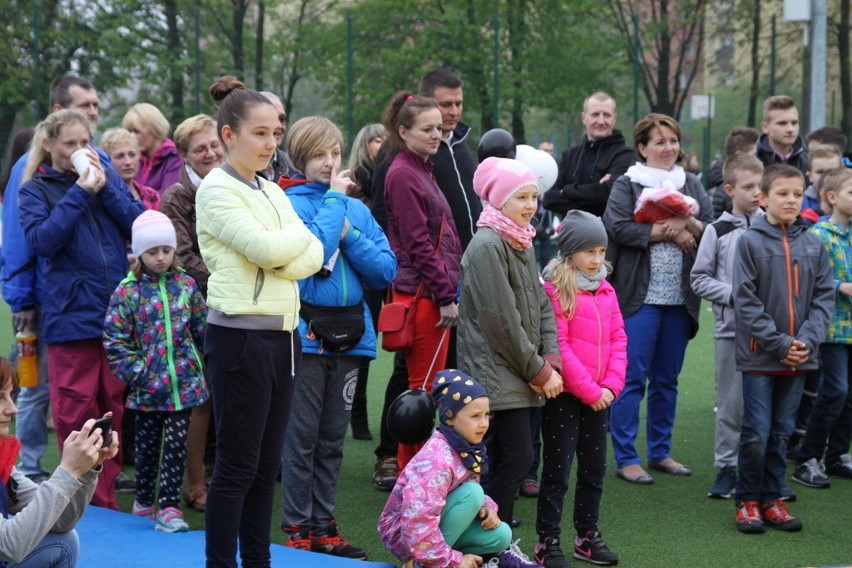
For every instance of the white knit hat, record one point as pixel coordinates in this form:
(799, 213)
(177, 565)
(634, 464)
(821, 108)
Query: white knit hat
(152, 229)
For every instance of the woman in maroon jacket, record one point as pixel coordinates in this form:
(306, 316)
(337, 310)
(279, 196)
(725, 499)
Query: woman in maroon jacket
(422, 235)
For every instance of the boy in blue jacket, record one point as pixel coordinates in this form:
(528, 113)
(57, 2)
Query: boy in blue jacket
(783, 301)
(336, 331)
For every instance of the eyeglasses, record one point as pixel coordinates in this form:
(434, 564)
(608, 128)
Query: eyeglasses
(202, 150)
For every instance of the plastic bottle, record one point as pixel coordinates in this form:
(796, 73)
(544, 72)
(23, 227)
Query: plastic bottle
(27, 358)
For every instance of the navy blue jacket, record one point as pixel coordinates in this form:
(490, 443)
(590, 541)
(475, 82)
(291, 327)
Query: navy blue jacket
(82, 240)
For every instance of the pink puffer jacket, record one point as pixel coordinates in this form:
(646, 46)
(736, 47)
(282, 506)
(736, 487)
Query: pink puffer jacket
(592, 343)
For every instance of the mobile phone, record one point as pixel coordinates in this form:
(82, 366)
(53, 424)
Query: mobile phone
(105, 424)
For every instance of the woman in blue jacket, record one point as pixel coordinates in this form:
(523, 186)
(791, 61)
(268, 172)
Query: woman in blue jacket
(336, 330)
(78, 225)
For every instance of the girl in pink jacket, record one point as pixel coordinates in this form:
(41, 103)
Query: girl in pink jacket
(593, 346)
(437, 514)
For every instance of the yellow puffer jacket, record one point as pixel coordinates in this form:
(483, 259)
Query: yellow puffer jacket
(255, 246)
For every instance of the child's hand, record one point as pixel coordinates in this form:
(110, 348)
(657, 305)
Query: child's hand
(340, 181)
(797, 354)
(607, 394)
(470, 561)
(552, 388)
(846, 288)
(489, 517)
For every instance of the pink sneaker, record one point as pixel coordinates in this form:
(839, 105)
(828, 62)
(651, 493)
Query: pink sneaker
(147, 512)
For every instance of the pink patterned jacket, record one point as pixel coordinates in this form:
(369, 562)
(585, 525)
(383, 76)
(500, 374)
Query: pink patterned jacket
(408, 525)
(593, 343)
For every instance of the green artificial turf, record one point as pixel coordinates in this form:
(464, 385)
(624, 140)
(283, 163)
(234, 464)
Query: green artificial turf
(669, 523)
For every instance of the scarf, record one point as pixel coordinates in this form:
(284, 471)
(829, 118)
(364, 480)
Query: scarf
(591, 283)
(474, 457)
(9, 448)
(656, 178)
(194, 178)
(519, 238)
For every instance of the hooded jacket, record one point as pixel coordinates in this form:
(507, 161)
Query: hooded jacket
(365, 258)
(578, 185)
(713, 270)
(153, 336)
(82, 238)
(798, 158)
(163, 169)
(783, 290)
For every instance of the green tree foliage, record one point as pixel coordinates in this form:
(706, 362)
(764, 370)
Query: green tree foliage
(549, 55)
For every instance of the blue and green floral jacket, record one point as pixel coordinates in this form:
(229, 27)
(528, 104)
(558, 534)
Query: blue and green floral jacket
(153, 334)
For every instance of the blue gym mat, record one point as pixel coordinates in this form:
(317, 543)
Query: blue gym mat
(110, 539)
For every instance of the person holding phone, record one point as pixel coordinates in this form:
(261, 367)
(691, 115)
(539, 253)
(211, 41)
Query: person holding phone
(40, 533)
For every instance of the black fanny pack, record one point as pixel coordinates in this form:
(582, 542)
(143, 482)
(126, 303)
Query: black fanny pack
(337, 328)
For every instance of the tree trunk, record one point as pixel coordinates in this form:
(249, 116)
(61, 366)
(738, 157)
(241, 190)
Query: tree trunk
(754, 90)
(664, 78)
(843, 30)
(517, 43)
(176, 73)
(258, 46)
(239, 16)
(7, 124)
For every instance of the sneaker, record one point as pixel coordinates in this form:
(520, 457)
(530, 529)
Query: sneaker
(592, 548)
(297, 537)
(170, 520)
(749, 519)
(810, 474)
(840, 469)
(124, 484)
(530, 488)
(384, 477)
(512, 557)
(329, 541)
(776, 515)
(726, 481)
(549, 554)
(141, 511)
(787, 494)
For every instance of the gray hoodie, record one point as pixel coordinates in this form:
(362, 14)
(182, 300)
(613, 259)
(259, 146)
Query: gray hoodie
(783, 290)
(713, 270)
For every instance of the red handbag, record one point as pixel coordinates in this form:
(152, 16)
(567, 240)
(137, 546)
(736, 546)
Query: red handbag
(396, 322)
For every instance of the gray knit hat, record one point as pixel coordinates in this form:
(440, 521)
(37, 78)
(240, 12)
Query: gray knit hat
(578, 231)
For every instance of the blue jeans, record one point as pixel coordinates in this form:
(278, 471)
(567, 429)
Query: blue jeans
(769, 414)
(33, 405)
(656, 346)
(831, 418)
(56, 550)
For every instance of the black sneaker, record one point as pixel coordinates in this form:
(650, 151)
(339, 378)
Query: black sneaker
(840, 469)
(329, 541)
(726, 481)
(592, 548)
(549, 554)
(810, 474)
(124, 484)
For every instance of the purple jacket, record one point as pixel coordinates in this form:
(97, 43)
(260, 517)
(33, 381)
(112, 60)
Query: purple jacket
(592, 343)
(409, 524)
(163, 169)
(416, 209)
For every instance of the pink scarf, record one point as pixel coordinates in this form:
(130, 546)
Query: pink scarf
(519, 238)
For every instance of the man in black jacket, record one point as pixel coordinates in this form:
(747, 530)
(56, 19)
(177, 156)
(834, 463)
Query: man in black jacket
(588, 170)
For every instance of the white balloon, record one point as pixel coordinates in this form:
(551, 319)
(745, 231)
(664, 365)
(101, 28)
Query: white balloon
(541, 163)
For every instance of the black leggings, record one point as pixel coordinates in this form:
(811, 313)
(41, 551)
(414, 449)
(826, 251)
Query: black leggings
(511, 455)
(156, 431)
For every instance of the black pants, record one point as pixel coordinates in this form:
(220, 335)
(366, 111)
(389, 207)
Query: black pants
(568, 427)
(160, 447)
(510, 451)
(253, 384)
(397, 384)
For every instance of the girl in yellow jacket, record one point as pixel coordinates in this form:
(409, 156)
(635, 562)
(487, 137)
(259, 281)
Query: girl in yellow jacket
(256, 249)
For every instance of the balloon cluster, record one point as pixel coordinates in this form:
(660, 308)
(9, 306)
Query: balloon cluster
(499, 143)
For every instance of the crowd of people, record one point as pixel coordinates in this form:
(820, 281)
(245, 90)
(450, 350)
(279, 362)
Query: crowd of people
(216, 296)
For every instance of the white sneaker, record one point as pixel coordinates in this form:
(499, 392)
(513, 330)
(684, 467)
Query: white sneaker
(171, 520)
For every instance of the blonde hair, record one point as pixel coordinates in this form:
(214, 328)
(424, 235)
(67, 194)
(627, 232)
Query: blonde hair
(49, 129)
(833, 179)
(145, 116)
(360, 155)
(309, 135)
(189, 128)
(138, 268)
(115, 137)
(562, 273)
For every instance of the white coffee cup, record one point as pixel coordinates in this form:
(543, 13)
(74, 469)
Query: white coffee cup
(80, 161)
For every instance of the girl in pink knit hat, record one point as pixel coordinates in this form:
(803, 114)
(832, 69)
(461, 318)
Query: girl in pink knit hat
(507, 330)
